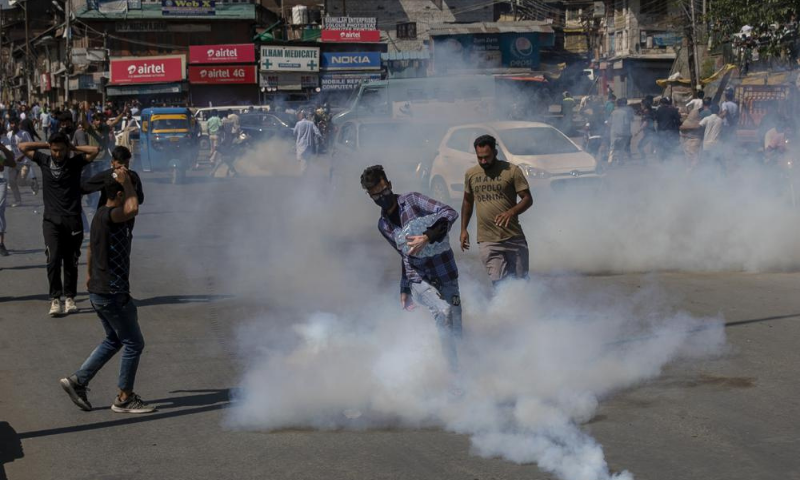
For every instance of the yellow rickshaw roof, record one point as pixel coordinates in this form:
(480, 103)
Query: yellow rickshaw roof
(169, 117)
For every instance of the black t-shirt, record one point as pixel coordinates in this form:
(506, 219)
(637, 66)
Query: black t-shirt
(61, 184)
(111, 254)
(668, 118)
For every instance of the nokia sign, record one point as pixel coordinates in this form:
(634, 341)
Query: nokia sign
(351, 61)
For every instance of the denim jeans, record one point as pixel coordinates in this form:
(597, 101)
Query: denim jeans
(119, 318)
(445, 305)
(3, 185)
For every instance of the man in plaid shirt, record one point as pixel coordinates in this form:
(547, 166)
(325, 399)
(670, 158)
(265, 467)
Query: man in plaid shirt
(431, 281)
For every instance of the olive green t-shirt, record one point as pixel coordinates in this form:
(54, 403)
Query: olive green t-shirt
(495, 191)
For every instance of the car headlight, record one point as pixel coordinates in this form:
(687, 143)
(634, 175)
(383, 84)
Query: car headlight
(534, 172)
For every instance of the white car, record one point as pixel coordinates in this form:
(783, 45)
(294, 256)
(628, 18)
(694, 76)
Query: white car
(548, 158)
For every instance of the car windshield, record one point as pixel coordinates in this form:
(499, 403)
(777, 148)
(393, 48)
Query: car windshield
(536, 141)
(171, 124)
(383, 135)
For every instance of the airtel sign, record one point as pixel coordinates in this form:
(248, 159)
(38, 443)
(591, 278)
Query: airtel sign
(351, 36)
(241, 53)
(240, 74)
(138, 70)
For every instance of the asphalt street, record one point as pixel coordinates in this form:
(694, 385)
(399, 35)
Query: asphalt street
(734, 416)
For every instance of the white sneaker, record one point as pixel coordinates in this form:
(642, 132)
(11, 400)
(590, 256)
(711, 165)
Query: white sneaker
(69, 306)
(55, 307)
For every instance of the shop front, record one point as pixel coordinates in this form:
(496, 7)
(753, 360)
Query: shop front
(154, 81)
(223, 75)
(289, 72)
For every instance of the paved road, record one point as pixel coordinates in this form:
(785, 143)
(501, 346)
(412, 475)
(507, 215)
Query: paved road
(735, 416)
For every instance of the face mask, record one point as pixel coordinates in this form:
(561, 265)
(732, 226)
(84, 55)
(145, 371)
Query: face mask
(385, 201)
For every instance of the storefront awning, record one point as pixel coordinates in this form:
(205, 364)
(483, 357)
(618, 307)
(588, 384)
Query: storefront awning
(156, 89)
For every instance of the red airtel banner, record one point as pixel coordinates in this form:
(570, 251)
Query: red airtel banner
(241, 74)
(240, 53)
(138, 70)
(371, 36)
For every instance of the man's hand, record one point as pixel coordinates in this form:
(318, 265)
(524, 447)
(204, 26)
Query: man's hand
(121, 175)
(504, 218)
(464, 240)
(406, 302)
(416, 243)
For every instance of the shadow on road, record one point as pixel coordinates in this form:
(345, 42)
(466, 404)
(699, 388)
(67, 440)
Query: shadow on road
(24, 267)
(759, 320)
(204, 401)
(10, 447)
(41, 296)
(26, 252)
(178, 299)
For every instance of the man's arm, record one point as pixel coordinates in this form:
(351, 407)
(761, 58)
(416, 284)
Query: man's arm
(131, 207)
(116, 120)
(29, 148)
(467, 205)
(9, 161)
(89, 152)
(523, 190)
(95, 183)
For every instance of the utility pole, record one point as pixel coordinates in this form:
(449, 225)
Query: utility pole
(103, 82)
(67, 51)
(27, 52)
(696, 76)
(2, 60)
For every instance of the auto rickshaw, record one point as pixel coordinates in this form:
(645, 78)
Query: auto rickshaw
(167, 141)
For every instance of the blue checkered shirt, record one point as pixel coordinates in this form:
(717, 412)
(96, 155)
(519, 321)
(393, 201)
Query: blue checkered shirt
(436, 269)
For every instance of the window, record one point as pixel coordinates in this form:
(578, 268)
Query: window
(536, 141)
(348, 135)
(462, 140)
(407, 30)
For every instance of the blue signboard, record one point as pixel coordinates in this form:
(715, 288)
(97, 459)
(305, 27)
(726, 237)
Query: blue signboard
(350, 61)
(488, 51)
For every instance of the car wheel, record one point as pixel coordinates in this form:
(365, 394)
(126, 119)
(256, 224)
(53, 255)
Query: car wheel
(439, 190)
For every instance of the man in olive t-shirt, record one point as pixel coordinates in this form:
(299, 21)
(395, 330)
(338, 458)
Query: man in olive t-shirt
(494, 185)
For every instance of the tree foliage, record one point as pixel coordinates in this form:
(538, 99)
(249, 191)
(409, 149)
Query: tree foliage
(729, 16)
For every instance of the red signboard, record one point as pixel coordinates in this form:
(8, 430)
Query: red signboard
(222, 75)
(138, 70)
(241, 53)
(351, 36)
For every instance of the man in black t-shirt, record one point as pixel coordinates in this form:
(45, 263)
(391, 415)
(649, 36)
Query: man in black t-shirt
(62, 226)
(109, 291)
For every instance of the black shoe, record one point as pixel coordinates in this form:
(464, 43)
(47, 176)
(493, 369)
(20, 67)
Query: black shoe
(134, 404)
(3, 251)
(76, 392)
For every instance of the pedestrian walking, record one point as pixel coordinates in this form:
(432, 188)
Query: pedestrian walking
(692, 138)
(6, 163)
(16, 136)
(306, 134)
(696, 103)
(62, 226)
(109, 292)
(712, 137)
(621, 120)
(668, 123)
(214, 123)
(428, 277)
(494, 186)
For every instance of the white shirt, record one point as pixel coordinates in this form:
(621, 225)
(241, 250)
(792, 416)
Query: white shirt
(14, 141)
(731, 108)
(695, 104)
(22, 116)
(45, 119)
(5, 141)
(713, 129)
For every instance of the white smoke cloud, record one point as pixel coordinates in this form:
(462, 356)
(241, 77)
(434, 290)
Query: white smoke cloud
(535, 363)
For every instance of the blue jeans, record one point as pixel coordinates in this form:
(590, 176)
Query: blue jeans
(445, 305)
(120, 320)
